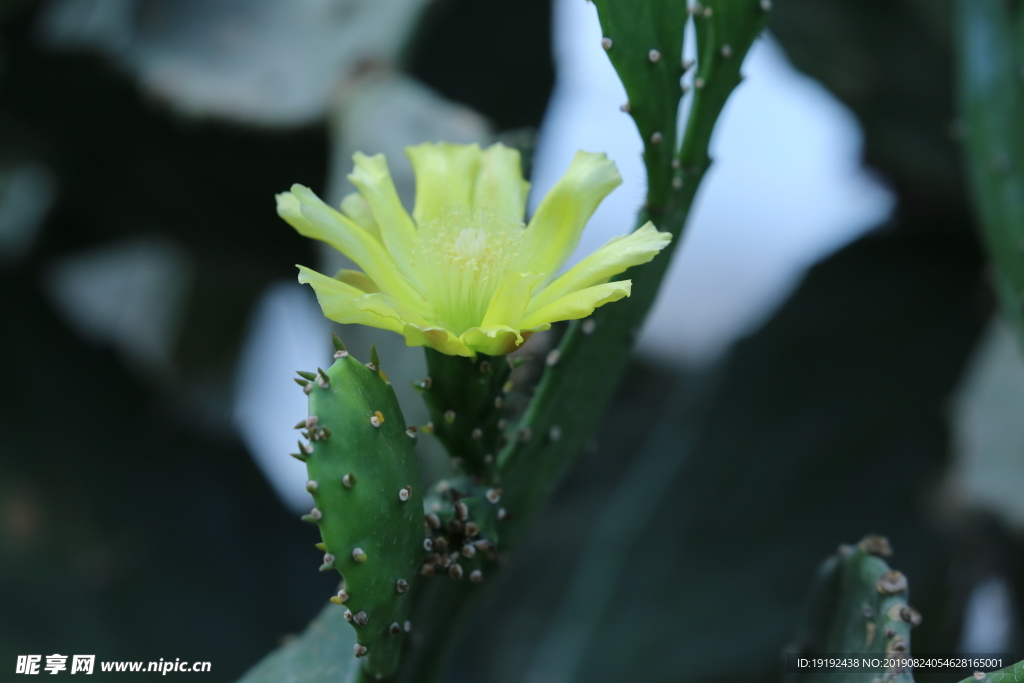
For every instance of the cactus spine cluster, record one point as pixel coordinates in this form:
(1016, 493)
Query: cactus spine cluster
(364, 479)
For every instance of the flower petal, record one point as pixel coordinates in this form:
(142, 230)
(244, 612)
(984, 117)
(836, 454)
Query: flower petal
(373, 179)
(555, 228)
(579, 304)
(356, 207)
(346, 304)
(311, 217)
(510, 299)
(436, 338)
(499, 197)
(618, 254)
(445, 176)
(493, 340)
(358, 280)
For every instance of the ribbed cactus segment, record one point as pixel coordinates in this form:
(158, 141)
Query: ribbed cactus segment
(464, 397)
(991, 84)
(364, 479)
(1011, 674)
(462, 526)
(858, 606)
(644, 41)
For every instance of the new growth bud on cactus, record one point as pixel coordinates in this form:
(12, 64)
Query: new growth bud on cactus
(364, 479)
(464, 274)
(462, 524)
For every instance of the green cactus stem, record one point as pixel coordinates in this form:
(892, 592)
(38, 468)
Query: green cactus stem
(364, 479)
(464, 397)
(858, 606)
(991, 83)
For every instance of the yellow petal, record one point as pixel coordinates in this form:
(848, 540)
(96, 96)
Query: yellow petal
(579, 304)
(373, 179)
(555, 229)
(358, 209)
(499, 197)
(346, 304)
(436, 338)
(511, 298)
(311, 217)
(493, 340)
(445, 176)
(618, 254)
(358, 280)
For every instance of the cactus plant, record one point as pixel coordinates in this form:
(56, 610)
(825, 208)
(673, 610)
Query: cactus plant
(465, 340)
(858, 606)
(364, 479)
(991, 83)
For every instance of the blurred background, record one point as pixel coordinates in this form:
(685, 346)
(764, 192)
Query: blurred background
(823, 360)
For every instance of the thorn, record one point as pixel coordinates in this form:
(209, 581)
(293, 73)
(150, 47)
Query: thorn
(394, 629)
(340, 598)
(407, 626)
(405, 494)
(707, 13)
(461, 511)
(306, 448)
(336, 340)
(502, 424)
(606, 43)
(360, 650)
(428, 428)
(656, 139)
(624, 107)
(875, 545)
(588, 326)
(502, 514)
(472, 529)
(360, 618)
(507, 388)
(328, 562)
(314, 516)
(449, 416)
(410, 431)
(384, 376)
(426, 383)
(477, 434)
(378, 419)
(766, 5)
(427, 570)
(311, 486)
(727, 51)
(688, 64)
(302, 383)
(312, 421)
(979, 675)
(311, 376)
(374, 358)
(455, 571)
(322, 379)
(358, 554)
(468, 550)
(325, 433)
(499, 402)
(677, 183)
(306, 389)
(488, 459)
(699, 83)
(476, 576)
(555, 354)
(525, 434)
(485, 367)
(349, 480)
(428, 544)
(348, 615)
(301, 457)
(555, 433)
(321, 547)
(401, 585)
(654, 56)
(300, 425)
(493, 495)
(432, 520)
(891, 583)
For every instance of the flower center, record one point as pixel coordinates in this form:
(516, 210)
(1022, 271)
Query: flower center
(460, 264)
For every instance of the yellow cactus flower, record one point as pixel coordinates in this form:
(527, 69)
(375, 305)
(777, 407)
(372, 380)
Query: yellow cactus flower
(463, 274)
